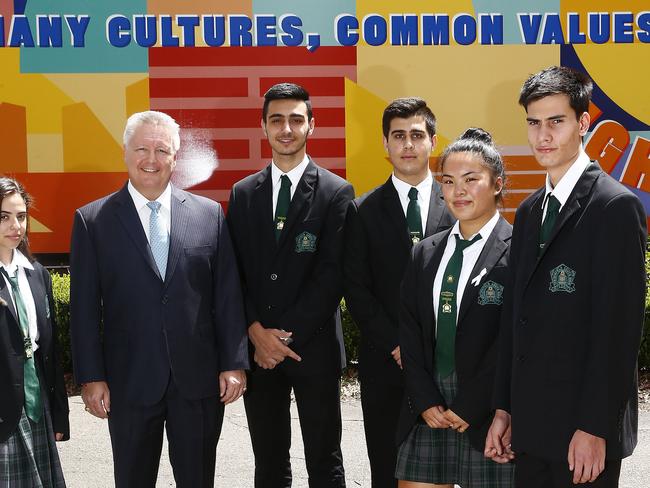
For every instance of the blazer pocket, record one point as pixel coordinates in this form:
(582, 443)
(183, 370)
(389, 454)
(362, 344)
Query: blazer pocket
(199, 251)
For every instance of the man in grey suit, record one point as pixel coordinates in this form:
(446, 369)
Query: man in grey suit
(154, 266)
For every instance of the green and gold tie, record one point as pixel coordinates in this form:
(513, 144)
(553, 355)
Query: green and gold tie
(33, 402)
(552, 211)
(447, 306)
(413, 216)
(282, 206)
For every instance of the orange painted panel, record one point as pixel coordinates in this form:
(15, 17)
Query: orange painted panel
(13, 138)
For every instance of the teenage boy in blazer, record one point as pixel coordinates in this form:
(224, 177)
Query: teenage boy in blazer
(287, 227)
(567, 381)
(377, 248)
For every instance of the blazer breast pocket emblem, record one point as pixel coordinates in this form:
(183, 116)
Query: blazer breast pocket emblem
(562, 279)
(305, 242)
(491, 293)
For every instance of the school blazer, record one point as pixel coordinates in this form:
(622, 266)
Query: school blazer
(294, 284)
(477, 333)
(573, 319)
(377, 249)
(12, 356)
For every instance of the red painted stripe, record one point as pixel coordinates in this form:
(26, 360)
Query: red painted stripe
(316, 86)
(251, 56)
(198, 87)
(227, 118)
(232, 149)
(318, 148)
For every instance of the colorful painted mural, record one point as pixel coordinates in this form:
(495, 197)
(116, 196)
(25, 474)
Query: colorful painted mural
(66, 89)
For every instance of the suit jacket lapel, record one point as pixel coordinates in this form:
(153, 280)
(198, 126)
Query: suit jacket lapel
(262, 208)
(179, 217)
(393, 208)
(5, 294)
(302, 196)
(38, 293)
(492, 251)
(436, 209)
(572, 205)
(128, 215)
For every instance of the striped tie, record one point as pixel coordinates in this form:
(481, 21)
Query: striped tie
(158, 238)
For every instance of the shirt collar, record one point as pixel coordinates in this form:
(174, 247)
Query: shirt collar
(485, 231)
(565, 186)
(139, 200)
(403, 187)
(18, 260)
(294, 175)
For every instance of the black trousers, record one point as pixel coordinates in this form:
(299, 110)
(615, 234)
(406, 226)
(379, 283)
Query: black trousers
(534, 472)
(193, 428)
(267, 403)
(381, 403)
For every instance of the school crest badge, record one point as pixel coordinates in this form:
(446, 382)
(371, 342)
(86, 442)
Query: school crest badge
(491, 293)
(305, 242)
(562, 279)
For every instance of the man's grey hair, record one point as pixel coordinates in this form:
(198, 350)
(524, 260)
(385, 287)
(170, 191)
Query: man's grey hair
(152, 117)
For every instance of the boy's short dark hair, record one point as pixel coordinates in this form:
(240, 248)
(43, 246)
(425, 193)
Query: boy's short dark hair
(404, 108)
(558, 80)
(286, 91)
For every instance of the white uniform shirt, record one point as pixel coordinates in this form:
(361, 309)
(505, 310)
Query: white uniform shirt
(424, 195)
(567, 183)
(20, 262)
(470, 256)
(294, 175)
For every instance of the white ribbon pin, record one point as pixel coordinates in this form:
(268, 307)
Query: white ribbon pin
(477, 279)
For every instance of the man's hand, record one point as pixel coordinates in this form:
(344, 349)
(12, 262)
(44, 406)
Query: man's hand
(270, 350)
(497, 442)
(586, 457)
(58, 436)
(97, 398)
(435, 417)
(397, 356)
(455, 421)
(232, 385)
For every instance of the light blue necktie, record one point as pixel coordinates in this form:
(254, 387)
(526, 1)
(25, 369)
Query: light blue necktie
(158, 238)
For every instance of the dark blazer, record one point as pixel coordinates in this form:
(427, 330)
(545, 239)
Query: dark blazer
(573, 320)
(377, 249)
(476, 334)
(191, 324)
(294, 284)
(12, 356)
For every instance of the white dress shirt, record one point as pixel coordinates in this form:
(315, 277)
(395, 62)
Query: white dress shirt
(144, 212)
(567, 183)
(20, 262)
(424, 195)
(470, 256)
(294, 175)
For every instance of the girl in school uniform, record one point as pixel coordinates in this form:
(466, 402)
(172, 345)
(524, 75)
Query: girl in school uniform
(451, 303)
(33, 401)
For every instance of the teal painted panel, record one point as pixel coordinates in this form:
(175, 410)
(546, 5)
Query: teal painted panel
(98, 56)
(510, 9)
(316, 15)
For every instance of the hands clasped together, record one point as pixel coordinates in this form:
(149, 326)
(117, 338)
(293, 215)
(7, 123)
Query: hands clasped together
(271, 346)
(440, 418)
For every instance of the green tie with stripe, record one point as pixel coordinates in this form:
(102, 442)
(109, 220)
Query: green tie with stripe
(282, 206)
(447, 306)
(413, 216)
(552, 211)
(33, 402)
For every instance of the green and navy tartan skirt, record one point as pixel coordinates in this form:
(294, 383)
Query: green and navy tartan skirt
(444, 456)
(29, 458)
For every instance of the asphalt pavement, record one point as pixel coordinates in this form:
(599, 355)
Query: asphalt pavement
(87, 460)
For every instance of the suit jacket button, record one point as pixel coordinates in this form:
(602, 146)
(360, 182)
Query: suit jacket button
(274, 277)
(521, 358)
(165, 299)
(523, 321)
